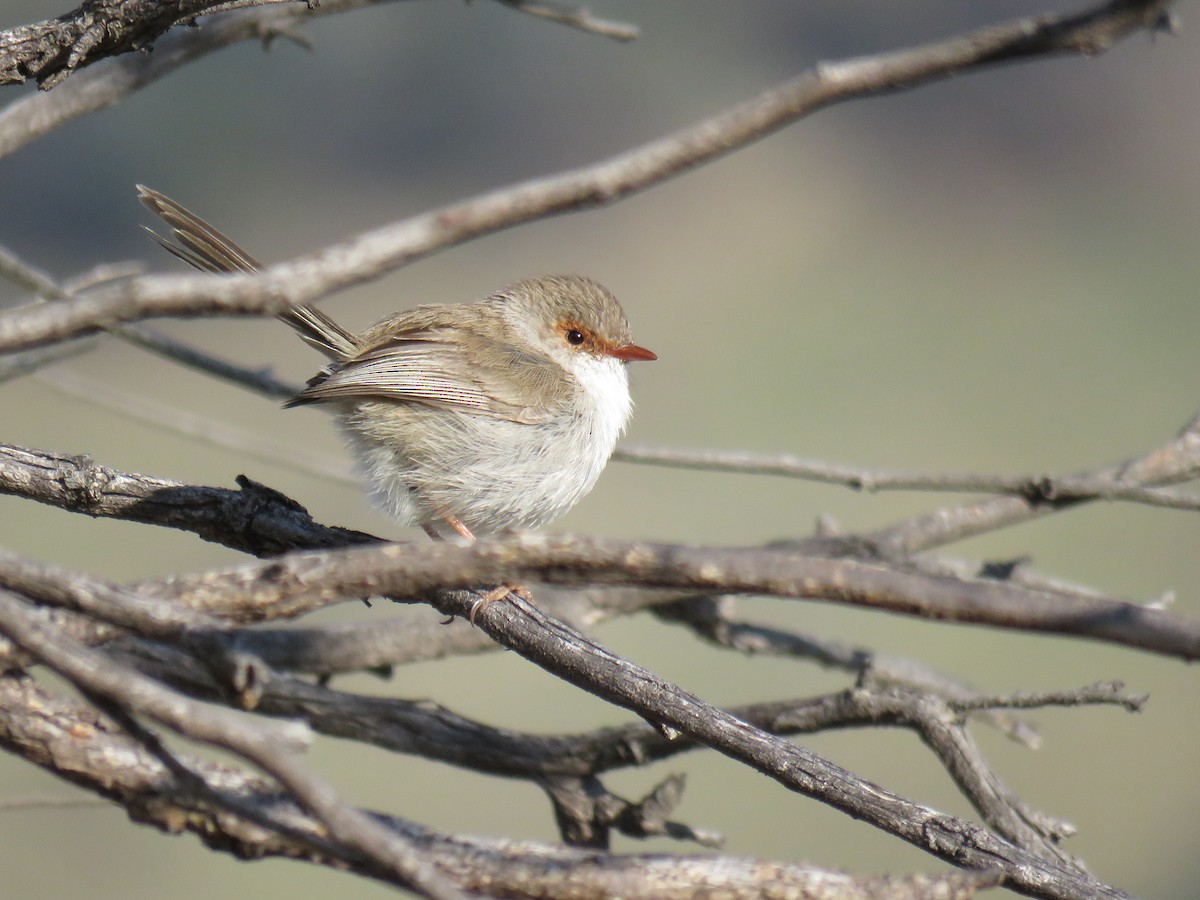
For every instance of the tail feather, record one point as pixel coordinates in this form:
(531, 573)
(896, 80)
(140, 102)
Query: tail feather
(207, 248)
(204, 247)
(319, 331)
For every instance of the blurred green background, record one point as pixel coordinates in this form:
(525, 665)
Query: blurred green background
(996, 273)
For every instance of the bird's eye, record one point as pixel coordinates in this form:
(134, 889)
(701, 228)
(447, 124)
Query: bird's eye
(574, 336)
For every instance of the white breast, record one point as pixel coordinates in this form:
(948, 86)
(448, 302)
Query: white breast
(493, 474)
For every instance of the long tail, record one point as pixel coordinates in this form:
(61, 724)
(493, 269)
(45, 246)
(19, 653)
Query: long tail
(207, 249)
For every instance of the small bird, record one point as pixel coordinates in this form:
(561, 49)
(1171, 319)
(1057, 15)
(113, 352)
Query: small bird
(478, 417)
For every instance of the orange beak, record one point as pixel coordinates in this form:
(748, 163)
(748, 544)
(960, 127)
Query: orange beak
(632, 353)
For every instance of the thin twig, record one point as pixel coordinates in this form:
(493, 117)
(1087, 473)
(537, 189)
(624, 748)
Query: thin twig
(141, 336)
(204, 430)
(28, 276)
(177, 351)
(575, 17)
(53, 50)
(859, 478)
(96, 88)
(711, 618)
(1099, 693)
(1175, 461)
(27, 362)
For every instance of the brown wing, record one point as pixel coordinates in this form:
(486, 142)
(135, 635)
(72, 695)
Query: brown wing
(449, 368)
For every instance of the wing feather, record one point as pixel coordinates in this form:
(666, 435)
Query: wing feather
(449, 368)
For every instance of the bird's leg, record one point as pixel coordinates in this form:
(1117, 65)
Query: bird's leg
(456, 523)
(497, 593)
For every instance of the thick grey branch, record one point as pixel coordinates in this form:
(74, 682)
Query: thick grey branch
(438, 734)
(1037, 488)
(95, 673)
(304, 581)
(50, 51)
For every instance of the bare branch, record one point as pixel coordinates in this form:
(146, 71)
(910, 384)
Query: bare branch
(272, 524)
(370, 255)
(254, 519)
(1100, 692)
(29, 277)
(584, 663)
(26, 120)
(269, 745)
(434, 732)
(579, 661)
(148, 339)
(93, 89)
(91, 671)
(77, 626)
(201, 429)
(587, 812)
(18, 365)
(305, 581)
(183, 631)
(711, 618)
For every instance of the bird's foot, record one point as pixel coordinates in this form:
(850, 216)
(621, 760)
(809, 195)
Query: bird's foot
(497, 593)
